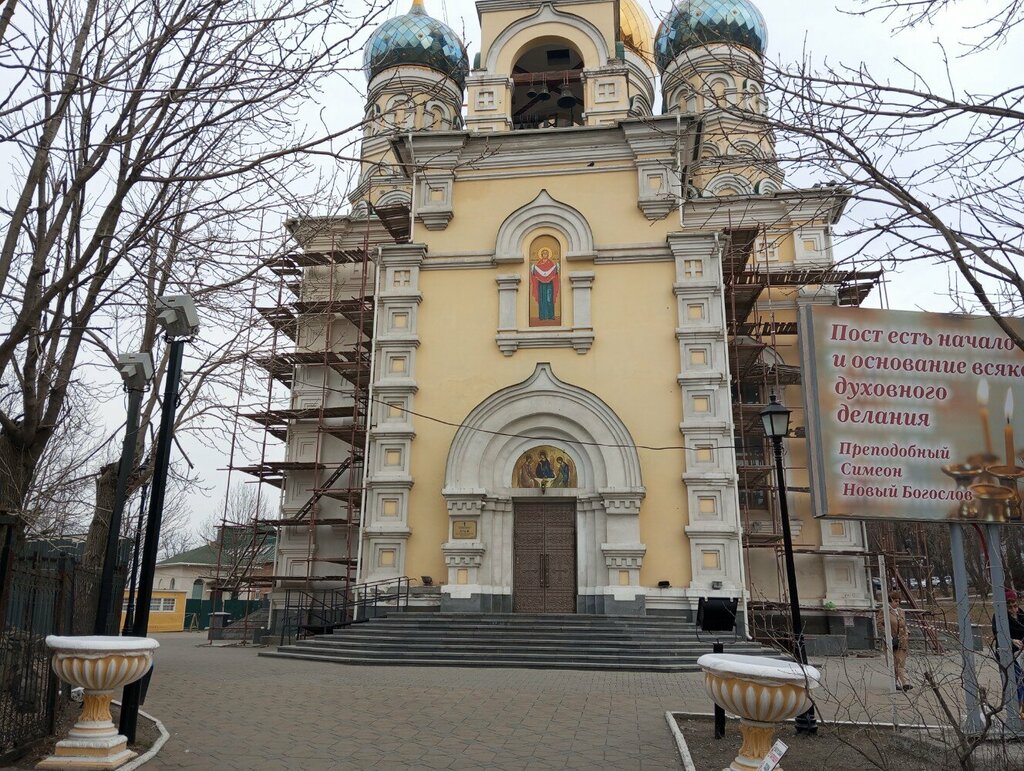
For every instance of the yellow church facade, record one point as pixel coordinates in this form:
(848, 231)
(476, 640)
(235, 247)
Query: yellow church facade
(567, 340)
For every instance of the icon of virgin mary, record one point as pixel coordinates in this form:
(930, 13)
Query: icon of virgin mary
(544, 283)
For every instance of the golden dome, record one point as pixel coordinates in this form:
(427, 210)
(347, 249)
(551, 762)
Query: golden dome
(635, 29)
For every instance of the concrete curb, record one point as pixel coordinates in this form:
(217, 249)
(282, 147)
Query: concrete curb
(822, 721)
(684, 751)
(151, 753)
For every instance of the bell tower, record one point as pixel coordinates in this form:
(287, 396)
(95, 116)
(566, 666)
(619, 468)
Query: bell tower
(559, 65)
(416, 69)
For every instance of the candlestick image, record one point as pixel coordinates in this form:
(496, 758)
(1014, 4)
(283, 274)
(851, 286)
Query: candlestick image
(986, 429)
(1011, 460)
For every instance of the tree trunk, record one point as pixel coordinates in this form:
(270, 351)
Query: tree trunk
(16, 467)
(92, 557)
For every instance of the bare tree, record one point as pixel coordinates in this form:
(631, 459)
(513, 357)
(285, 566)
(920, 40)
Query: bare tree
(147, 144)
(150, 149)
(934, 168)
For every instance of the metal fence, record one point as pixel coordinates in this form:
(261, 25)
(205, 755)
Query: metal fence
(39, 584)
(39, 603)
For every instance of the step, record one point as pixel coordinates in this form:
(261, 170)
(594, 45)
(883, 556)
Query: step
(607, 643)
(688, 647)
(524, 632)
(516, 661)
(544, 618)
(470, 645)
(486, 663)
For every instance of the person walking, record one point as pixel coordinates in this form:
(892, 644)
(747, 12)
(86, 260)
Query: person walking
(1015, 620)
(900, 640)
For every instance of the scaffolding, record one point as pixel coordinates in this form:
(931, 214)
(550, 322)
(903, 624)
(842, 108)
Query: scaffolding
(756, 339)
(320, 351)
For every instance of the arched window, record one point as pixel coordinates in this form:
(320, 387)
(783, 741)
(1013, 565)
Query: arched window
(172, 584)
(197, 589)
(548, 87)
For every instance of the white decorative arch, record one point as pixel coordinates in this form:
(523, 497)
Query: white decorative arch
(745, 147)
(395, 198)
(543, 211)
(507, 423)
(710, 149)
(768, 187)
(545, 14)
(478, 489)
(741, 185)
(726, 80)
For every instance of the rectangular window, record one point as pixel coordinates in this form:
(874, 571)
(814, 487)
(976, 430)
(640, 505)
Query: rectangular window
(693, 268)
(401, 278)
(162, 604)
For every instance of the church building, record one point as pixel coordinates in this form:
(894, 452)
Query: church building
(529, 363)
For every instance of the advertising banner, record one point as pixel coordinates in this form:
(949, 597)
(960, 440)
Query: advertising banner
(912, 416)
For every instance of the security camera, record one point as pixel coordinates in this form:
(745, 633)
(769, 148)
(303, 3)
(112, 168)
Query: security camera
(136, 370)
(177, 315)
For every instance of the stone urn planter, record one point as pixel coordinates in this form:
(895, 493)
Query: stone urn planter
(99, 665)
(764, 692)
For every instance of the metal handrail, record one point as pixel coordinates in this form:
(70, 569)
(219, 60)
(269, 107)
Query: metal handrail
(330, 609)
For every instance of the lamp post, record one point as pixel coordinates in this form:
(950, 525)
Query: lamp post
(176, 314)
(136, 371)
(129, 616)
(775, 418)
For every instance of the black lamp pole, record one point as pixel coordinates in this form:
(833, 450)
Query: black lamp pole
(776, 423)
(136, 370)
(129, 616)
(177, 315)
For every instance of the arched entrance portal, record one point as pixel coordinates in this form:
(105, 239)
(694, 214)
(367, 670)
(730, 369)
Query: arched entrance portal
(543, 490)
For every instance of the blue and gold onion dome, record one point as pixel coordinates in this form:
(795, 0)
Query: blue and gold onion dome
(694, 23)
(416, 38)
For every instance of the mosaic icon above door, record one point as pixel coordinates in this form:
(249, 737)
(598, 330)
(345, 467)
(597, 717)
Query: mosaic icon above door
(544, 466)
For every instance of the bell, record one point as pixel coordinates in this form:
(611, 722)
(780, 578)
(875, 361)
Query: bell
(532, 93)
(567, 99)
(542, 93)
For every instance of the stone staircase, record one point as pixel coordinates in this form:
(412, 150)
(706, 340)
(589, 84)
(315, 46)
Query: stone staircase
(247, 627)
(609, 643)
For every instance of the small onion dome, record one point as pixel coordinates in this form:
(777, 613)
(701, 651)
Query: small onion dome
(693, 23)
(635, 29)
(416, 38)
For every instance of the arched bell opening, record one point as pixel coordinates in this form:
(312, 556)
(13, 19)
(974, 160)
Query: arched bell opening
(548, 91)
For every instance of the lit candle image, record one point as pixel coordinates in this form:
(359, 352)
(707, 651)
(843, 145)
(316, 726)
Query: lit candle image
(1011, 459)
(983, 411)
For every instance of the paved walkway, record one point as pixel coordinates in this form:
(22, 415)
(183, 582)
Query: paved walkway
(225, 708)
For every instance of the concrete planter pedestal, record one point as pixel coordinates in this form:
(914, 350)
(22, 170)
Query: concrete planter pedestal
(99, 665)
(764, 692)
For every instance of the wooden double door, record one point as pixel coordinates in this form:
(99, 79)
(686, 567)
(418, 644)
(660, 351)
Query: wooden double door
(544, 557)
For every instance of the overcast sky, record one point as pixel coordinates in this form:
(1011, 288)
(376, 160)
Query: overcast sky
(825, 32)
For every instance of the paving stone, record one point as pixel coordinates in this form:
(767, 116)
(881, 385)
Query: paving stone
(226, 708)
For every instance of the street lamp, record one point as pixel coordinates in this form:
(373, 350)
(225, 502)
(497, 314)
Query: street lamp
(775, 418)
(136, 371)
(176, 314)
